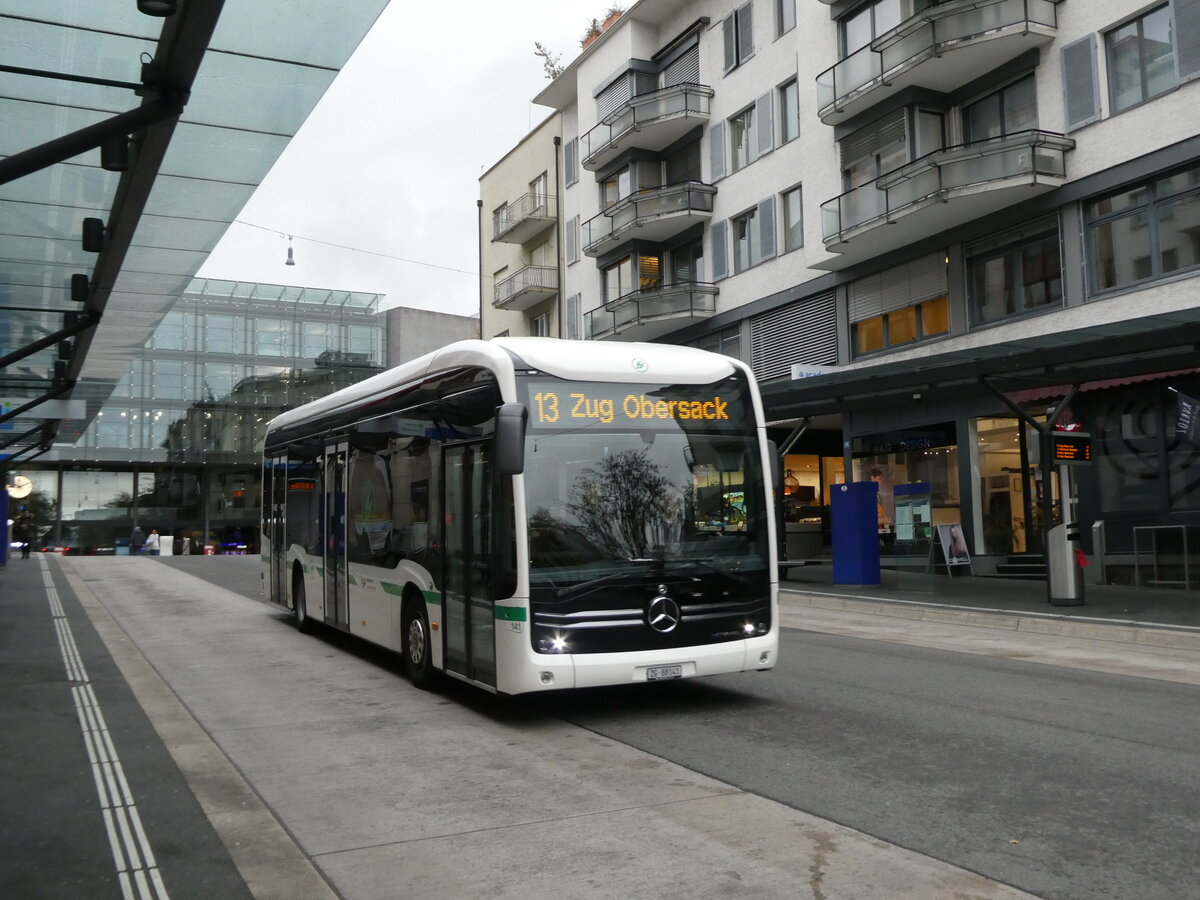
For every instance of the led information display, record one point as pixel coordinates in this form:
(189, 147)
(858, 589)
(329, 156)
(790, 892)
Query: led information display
(573, 405)
(1070, 447)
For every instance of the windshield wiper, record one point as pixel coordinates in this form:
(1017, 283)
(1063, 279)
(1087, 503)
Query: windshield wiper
(585, 586)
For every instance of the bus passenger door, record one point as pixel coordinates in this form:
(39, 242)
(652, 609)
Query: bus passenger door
(276, 491)
(467, 602)
(337, 613)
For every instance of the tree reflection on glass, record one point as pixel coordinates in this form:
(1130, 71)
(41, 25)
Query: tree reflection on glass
(627, 506)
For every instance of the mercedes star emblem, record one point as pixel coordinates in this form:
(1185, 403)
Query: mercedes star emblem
(663, 614)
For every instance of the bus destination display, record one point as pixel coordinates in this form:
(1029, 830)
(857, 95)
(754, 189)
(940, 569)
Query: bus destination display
(584, 404)
(1071, 447)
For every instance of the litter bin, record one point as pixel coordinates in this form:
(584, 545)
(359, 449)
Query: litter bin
(1062, 560)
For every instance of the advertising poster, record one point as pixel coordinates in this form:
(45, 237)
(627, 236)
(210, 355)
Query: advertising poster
(954, 546)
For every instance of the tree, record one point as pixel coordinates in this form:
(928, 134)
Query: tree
(627, 506)
(550, 60)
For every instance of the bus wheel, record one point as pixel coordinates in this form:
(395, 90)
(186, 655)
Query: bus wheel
(304, 624)
(418, 661)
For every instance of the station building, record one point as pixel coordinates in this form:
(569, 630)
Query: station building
(939, 231)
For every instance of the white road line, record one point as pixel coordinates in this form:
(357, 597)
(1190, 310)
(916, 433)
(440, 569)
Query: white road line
(137, 870)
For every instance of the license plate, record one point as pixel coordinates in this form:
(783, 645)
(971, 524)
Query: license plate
(659, 673)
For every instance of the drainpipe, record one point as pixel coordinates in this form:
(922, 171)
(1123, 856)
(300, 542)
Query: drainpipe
(479, 232)
(558, 234)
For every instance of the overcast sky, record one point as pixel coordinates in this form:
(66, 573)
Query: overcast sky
(389, 161)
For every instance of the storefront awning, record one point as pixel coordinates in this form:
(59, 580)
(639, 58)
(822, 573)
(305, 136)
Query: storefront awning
(1136, 348)
(1060, 390)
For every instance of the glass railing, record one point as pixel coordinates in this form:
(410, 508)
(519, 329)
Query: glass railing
(942, 173)
(643, 110)
(528, 206)
(674, 301)
(653, 203)
(543, 279)
(929, 33)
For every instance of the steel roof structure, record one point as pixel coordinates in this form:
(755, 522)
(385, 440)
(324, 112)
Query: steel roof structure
(130, 143)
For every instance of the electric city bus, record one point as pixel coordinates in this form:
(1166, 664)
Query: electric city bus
(530, 514)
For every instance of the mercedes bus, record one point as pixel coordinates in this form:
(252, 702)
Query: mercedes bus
(530, 514)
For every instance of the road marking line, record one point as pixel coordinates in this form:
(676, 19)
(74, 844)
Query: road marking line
(126, 836)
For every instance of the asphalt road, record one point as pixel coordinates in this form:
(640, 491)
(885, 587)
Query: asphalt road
(1062, 782)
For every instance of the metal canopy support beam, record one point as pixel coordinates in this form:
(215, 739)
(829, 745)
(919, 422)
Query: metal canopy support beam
(796, 434)
(21, 437)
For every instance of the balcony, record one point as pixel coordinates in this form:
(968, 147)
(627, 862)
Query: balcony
(523, 219)
(940, 191)
(941, 48)
(526, 288)
(648, 314)
(650, 121)
(656, 214)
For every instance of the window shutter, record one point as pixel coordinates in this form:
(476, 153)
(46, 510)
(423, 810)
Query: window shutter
(719, 252)
(913, 282)
(802, 332)
(730, 32)
(573, 323)
(745, 32)
(1187, 38)
(1081, 84)
(573, 239)
(570, 161)
(766, 224)
(870, 140)
(614, 96)
(865, 298)
(766, 127)
(716, 148)
(685, 70)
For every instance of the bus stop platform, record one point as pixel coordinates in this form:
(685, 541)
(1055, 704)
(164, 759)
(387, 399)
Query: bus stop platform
(1109, 604)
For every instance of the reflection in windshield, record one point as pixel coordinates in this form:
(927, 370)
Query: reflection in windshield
(600, 501)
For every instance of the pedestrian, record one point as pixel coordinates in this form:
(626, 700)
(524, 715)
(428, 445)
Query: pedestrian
(187, 545)
(137, 540)
(152, 542)
(24, 531)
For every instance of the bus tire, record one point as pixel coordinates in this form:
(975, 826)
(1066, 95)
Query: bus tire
(417, 652)
(304, 624)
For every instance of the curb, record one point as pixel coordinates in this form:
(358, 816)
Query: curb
(1121, 631)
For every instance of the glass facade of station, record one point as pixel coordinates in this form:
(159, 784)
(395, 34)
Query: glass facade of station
(174, 446)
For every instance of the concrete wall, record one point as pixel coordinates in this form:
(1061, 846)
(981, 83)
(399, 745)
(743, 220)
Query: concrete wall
(415, 332)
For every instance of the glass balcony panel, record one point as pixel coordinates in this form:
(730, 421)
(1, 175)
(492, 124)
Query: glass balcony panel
(596, 229)
(922, 184)
(909, 46)
(640, 112)
(856, 70)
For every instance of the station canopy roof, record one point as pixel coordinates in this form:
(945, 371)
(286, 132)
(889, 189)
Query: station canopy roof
(1025, 369)
(130, 143)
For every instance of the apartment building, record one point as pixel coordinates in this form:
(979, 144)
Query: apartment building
(938, 229)
(518, 238)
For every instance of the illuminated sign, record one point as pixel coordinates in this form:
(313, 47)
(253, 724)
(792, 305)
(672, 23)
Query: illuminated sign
(1070, 447)
(302, 485)
(559, 405)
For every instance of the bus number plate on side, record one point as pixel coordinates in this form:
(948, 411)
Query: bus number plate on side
(660, 673)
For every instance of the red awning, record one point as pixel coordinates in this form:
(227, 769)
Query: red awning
(1060, 390)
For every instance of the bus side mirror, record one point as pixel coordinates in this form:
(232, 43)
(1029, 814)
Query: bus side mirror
(510, 438)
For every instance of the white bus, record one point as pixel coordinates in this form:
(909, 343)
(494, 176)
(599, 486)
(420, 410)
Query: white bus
(530, 514)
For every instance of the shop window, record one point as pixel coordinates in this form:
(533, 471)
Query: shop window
(1141, 59)
(1014, 274)
(1145, 232)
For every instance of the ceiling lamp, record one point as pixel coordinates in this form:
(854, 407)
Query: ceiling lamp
(291, 260)
(160, 8)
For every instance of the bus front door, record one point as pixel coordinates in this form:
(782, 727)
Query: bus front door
(467, 602)
(275, 490)
(337, 612)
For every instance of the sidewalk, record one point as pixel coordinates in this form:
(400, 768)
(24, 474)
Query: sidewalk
(1123, 613)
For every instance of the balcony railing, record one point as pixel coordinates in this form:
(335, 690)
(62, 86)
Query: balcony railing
(891, 61)
(523, 219)
(1015, 160)
(655, 214)
(650, 121)
(526, 288)
(651, 312)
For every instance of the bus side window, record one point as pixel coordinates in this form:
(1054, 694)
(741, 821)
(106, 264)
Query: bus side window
(370, 509)
(410, 467)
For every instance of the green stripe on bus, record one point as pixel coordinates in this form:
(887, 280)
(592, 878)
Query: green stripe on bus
(510, 614)
(392, 588)
(432, 598)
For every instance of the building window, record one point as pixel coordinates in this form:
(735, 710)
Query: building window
(870, 21)
(901, 326)
(1015, 274)
(616, 187)
(727, 341)
(687, 262)
(746, 244)
(789, 112)
(738, 29)
(540, 190)
(874, 149)
(743, 136)
(1141, 59)
(1011, 109)
(785, 16)
(1144, 232)
(793, 220)
(683, 164)
(539, 326)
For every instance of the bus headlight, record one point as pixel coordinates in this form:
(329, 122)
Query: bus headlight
(748, 629)
(556, 644)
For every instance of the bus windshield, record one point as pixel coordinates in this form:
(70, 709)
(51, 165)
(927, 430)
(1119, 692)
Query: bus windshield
(642, 479)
